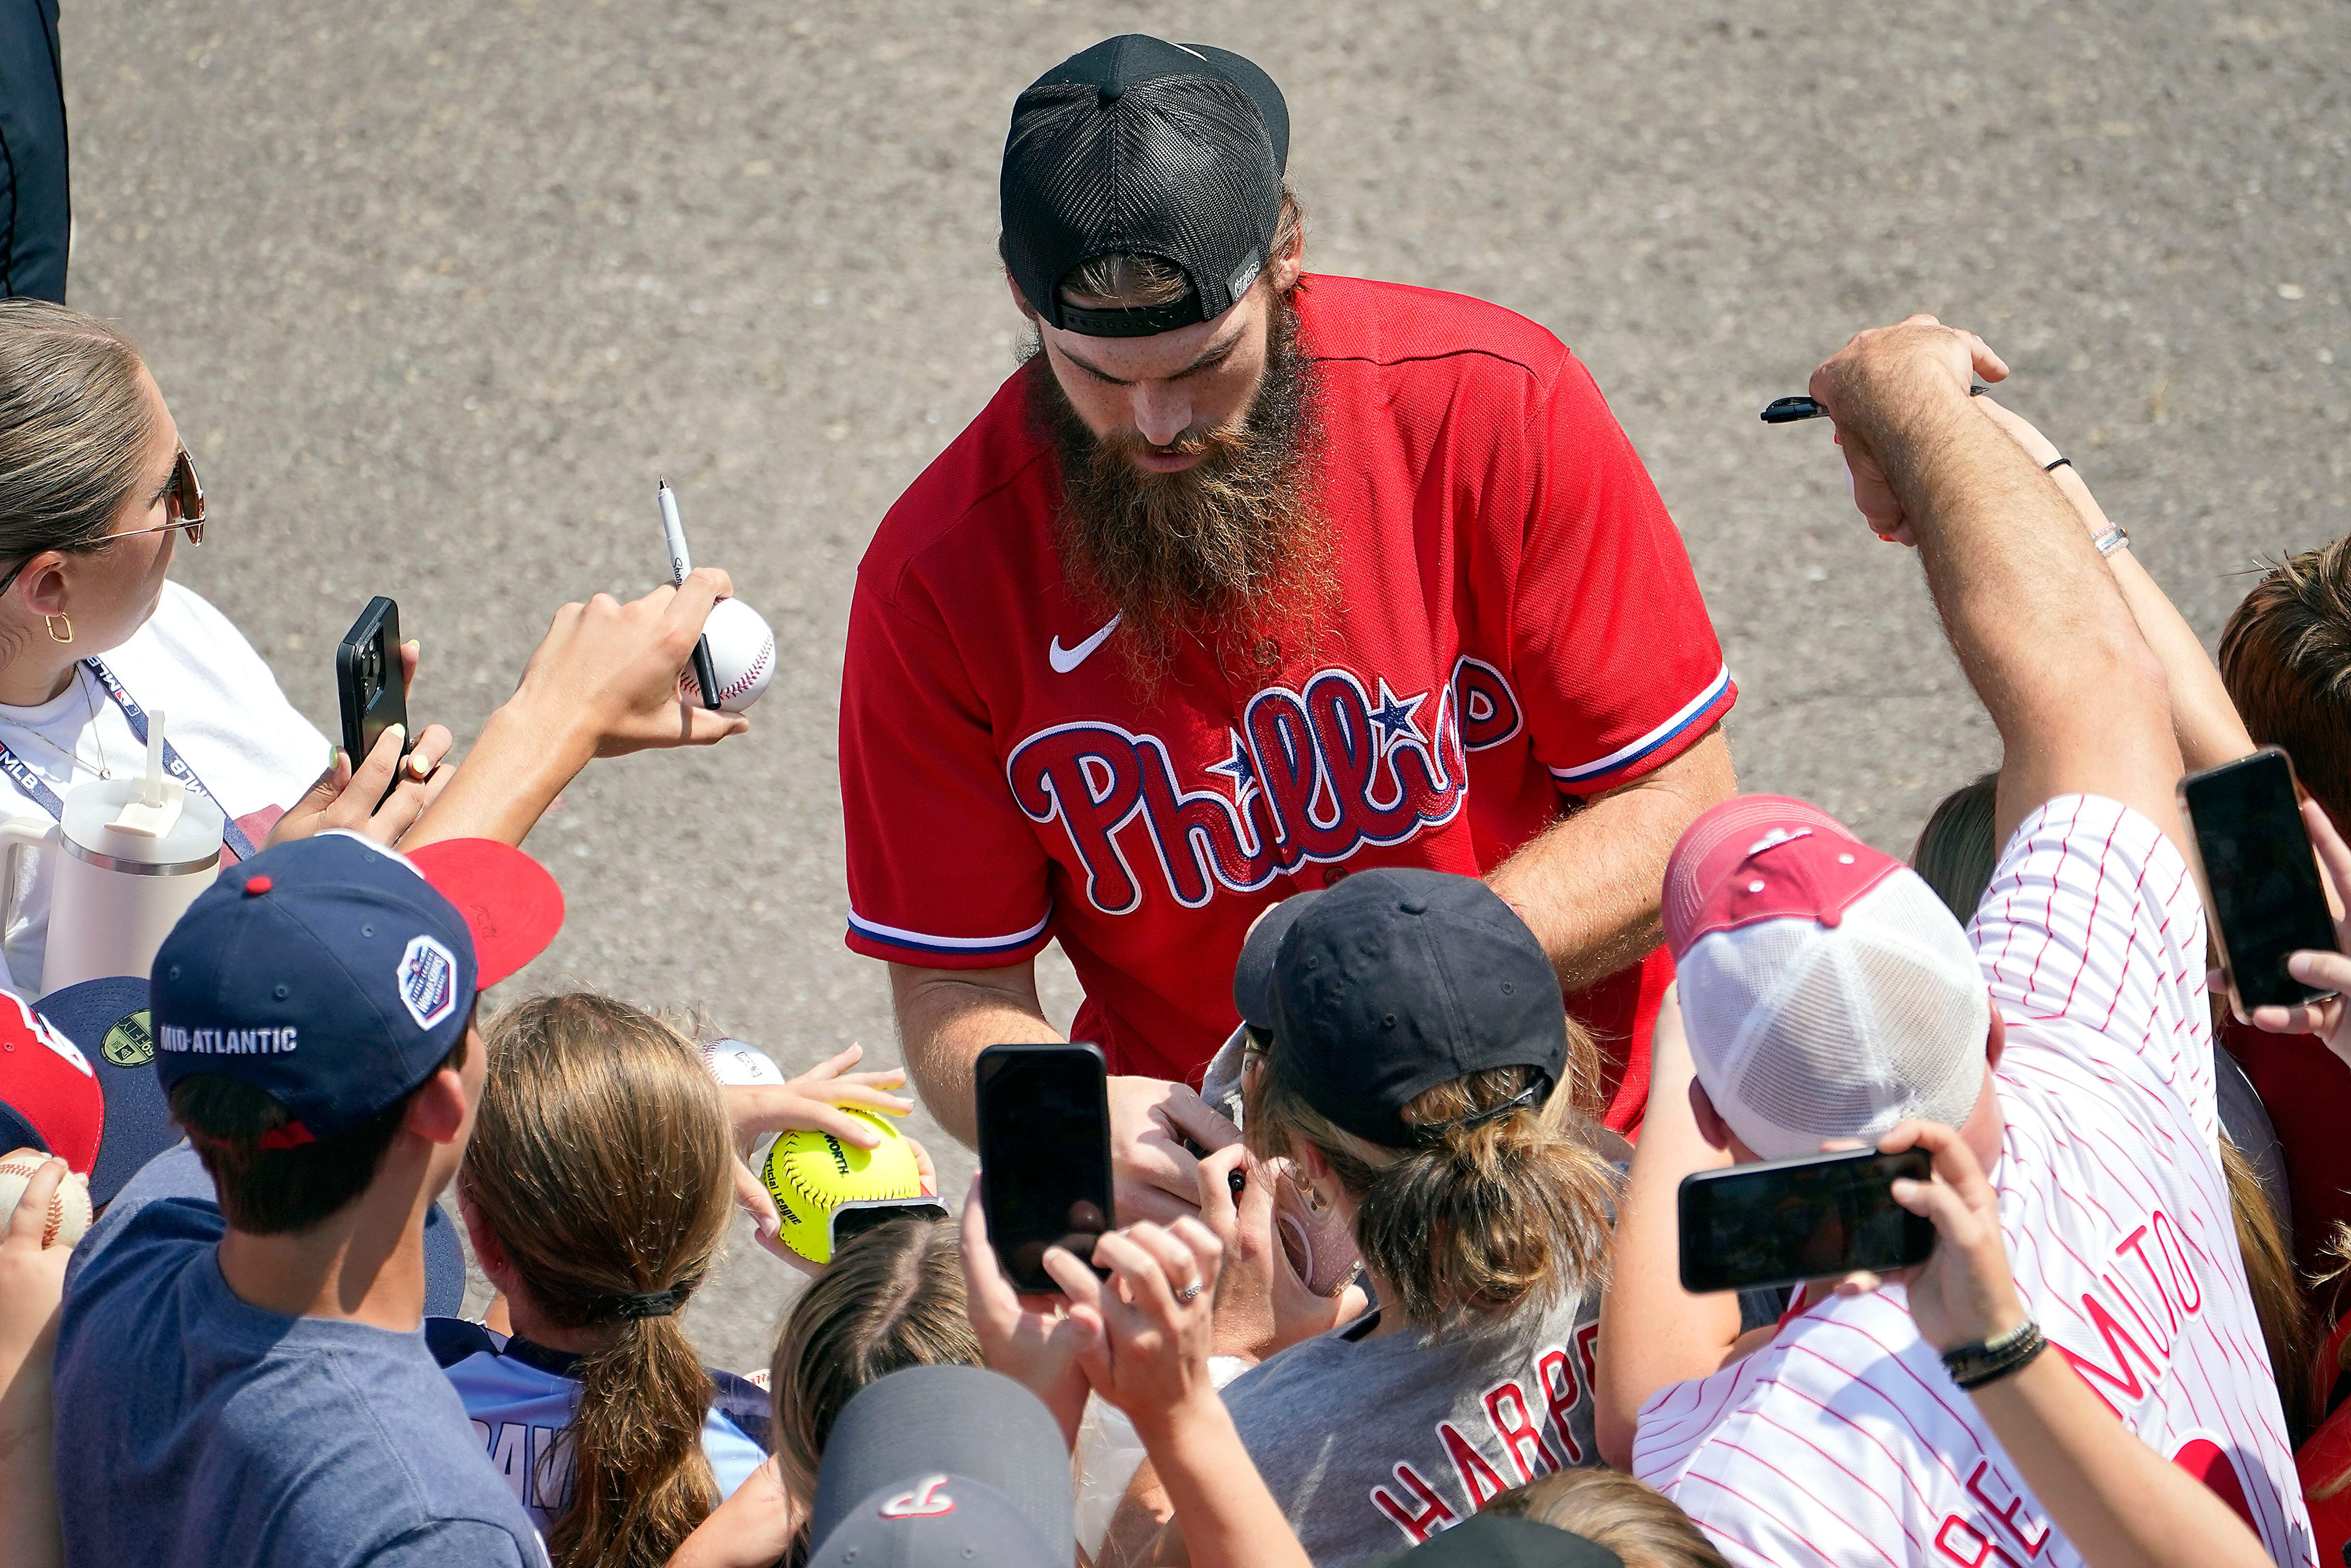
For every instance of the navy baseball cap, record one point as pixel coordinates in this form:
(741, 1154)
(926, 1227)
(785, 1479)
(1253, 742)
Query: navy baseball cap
(1139, 146)
(108, 1021)
(1393, 982)
(335, 974)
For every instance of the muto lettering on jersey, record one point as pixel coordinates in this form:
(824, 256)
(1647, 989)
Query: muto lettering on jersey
(1314, 774)
(2156, 1294)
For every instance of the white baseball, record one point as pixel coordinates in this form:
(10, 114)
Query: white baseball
(731, 1063)
(742, 656)
(68, 1210)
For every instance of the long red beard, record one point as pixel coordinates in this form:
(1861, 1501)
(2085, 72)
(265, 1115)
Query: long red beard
(1233, 550)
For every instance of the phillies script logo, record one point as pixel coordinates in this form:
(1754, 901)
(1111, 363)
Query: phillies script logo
(929, 1501)
(1312, 775)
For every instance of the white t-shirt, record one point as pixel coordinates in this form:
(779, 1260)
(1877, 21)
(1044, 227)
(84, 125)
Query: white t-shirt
(1844, 1440)
(223, 712)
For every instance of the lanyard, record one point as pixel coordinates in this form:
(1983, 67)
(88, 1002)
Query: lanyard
(38, 787)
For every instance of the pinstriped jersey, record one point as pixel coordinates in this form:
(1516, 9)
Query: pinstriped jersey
(1515, 624)
(1844, 1440)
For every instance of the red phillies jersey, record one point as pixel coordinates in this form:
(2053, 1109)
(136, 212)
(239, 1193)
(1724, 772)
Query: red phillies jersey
(1516, 622)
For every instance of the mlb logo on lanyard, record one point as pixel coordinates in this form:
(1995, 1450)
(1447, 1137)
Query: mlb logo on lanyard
(428, 982)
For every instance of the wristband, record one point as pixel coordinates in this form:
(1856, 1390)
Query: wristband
(1988, 1361)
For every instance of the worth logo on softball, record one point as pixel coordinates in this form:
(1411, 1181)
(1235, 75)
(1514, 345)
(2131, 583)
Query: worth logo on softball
(809, 1174)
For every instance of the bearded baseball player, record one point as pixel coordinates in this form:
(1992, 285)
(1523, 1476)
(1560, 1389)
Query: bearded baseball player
(1247, 579)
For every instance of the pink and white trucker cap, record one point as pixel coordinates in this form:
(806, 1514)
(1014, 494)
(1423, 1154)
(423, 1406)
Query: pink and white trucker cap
(1826, 991)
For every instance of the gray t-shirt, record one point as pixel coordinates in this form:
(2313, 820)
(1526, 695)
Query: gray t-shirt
(1373, 1444)
(193, 1429)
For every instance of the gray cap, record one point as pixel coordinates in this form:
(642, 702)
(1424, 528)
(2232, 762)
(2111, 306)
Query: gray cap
(950, 1465)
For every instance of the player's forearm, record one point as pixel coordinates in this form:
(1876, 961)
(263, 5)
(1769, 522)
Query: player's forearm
(1588, 884)
(1652, 1331)
(2119, 1503)
(1226, 1517)
(948, 1016)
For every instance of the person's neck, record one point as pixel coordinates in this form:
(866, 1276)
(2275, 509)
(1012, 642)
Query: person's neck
(1985, 1130)
(34, 669)
(1391, 1316)
(364, 1264)
(532, 1324)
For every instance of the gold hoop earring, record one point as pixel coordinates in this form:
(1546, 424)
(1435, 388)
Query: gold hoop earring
(54, 635)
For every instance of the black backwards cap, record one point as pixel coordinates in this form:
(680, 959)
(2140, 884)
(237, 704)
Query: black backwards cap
(1137, 146)
(1393, 982)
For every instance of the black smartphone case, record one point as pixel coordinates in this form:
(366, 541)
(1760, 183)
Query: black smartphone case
(372, 700)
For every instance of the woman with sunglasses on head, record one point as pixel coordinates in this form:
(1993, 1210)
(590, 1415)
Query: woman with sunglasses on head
(95, 490)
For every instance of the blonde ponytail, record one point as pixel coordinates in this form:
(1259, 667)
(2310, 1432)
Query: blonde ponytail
(600, 1159)
(1504, 1209)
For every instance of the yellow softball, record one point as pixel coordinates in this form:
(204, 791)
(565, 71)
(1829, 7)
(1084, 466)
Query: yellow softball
(810, 1174)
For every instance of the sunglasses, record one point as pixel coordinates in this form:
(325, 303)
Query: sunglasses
(184, 503)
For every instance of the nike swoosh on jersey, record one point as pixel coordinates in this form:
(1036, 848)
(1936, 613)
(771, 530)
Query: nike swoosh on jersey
(1064, 660)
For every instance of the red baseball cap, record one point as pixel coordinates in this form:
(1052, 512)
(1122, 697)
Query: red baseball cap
(1745, 860)
(511, 905)
(50, 1096)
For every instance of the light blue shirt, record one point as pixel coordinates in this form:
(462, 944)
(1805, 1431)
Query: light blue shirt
(521, 1396)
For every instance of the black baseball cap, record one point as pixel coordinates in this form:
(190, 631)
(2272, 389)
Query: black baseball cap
(954, 1466)
(1390, 983)
(1137, 146)
(1504, 1541)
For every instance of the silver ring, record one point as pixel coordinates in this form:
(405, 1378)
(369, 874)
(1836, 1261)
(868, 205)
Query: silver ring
(1189, 1293)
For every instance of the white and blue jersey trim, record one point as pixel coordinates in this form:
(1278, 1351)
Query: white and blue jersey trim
(961, 946)
(1625, 756)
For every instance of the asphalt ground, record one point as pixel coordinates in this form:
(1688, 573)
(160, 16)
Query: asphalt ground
(437, 289)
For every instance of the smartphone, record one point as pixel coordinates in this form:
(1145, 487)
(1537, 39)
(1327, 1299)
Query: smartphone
(1782, 1221)
(2260, 879)
(848, 1221)
(1044, 1155)
(368, 681)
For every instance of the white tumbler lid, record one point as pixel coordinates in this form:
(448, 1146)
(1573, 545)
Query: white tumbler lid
(89, 826)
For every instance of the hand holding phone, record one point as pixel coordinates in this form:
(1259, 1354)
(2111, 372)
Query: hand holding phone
(1779, 1222)
(370, 684)
(2260, 877)
(1965, 1292)
(1044, 1155)
(2328, 1017)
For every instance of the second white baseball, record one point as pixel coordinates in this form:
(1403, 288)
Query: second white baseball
(742, 656)
(732, 1062)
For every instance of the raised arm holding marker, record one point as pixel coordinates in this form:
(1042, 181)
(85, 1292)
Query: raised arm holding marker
(681, 561)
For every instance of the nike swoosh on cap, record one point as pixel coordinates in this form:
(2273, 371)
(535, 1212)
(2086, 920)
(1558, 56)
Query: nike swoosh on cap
(1064, 660)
